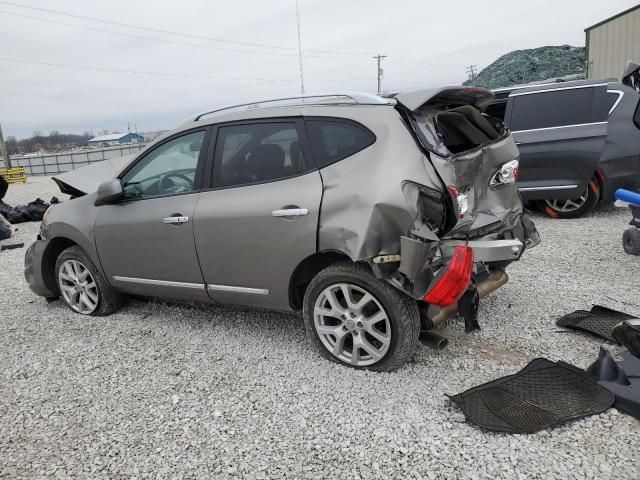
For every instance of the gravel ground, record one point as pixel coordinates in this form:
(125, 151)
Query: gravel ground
(163, 390)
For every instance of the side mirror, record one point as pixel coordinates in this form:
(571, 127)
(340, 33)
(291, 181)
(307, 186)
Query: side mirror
(109, 192)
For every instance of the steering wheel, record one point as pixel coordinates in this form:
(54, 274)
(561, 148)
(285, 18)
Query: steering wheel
(167, 185)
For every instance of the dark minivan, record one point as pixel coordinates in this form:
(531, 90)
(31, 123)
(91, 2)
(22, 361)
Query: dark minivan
(579, 141)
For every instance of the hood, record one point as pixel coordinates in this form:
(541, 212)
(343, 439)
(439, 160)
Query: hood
(86, 179)
(445, 96)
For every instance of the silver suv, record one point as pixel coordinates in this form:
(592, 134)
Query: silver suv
(376, 217)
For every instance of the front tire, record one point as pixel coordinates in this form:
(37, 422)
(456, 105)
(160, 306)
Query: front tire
(82, 286)
(573, 208)
(357, 320)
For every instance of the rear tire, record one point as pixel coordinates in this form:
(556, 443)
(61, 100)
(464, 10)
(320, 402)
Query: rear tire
(82, 287)
(631, 241)
(573, 208)
(357, 320)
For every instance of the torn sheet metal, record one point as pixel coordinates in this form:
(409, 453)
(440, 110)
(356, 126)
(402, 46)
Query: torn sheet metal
(391, 217)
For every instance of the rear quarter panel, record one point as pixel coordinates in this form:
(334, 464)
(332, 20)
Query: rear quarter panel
(364, 211)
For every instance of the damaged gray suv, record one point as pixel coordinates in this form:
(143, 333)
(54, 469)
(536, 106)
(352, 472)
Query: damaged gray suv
(378, 218)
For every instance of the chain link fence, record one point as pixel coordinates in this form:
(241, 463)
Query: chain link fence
(54, 163)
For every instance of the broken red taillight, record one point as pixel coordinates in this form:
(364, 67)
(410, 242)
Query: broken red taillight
(454, 281)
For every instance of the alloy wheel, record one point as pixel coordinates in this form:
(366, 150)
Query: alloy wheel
(78, 287)
(352, 324)
(569, 205)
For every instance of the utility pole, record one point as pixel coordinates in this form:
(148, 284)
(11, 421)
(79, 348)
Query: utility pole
(471, 70)
(300, 50)
(380, 71)
(3, 151)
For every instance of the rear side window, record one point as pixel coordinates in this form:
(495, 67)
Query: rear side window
(333, 140)
(551, 109)
(257, 153)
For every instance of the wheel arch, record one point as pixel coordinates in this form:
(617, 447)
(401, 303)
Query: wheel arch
(306, 270)
(51, 253)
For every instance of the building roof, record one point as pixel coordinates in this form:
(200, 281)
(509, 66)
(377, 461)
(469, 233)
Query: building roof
(111, 137)
(629, 10)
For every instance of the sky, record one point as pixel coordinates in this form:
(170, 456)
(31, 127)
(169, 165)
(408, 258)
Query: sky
(92, 70)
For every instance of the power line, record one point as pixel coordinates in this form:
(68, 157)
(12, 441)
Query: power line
(167, 74)
(170, 32)
(143, 37)
(136, 72)
(393, 58)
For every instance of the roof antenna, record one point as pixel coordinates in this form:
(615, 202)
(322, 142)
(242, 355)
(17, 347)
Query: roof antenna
(299, 50)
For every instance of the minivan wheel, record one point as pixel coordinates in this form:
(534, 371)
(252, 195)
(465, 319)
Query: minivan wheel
(573, 208)
(82, 286)
(357, 320)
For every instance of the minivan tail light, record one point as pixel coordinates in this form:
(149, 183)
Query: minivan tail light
(455, 279)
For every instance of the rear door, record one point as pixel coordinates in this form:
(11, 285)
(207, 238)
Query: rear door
(560, 133)
(259, 217)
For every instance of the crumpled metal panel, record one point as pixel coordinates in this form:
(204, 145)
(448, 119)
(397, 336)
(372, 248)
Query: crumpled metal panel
(471, 173)
(364, 212)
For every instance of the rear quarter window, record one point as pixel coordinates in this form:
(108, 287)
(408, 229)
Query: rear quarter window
(334, 140)
(558, 108)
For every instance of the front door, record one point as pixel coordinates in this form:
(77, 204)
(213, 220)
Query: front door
(145, 242)
(260, 219)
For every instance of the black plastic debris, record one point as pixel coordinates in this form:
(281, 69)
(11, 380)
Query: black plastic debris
(598, 321)
(4, 186)
(11, 246)
(621, 378)
(627, 333)
(539, 396)
(31, 212)
(5, 229)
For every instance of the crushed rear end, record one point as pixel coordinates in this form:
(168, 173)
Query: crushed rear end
(468, 230)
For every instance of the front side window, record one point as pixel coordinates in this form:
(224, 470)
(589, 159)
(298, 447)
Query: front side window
(169, 169)
(333, 140)
(257, 153)
(551, 109)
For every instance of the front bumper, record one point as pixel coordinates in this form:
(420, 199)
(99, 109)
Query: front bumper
(33, 271)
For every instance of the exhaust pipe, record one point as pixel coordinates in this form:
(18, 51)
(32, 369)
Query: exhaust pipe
(497, 278)
(433, 340)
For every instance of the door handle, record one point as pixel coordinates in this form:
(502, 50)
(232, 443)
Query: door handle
(175, 220)
(290, 212)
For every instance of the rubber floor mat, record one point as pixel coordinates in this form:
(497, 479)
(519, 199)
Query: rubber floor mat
(599, 321)
(541, 395)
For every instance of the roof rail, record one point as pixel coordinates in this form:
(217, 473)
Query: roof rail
(359, 98)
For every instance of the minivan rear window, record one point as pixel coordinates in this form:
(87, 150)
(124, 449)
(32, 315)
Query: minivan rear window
(558, 108)
(334, 140)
